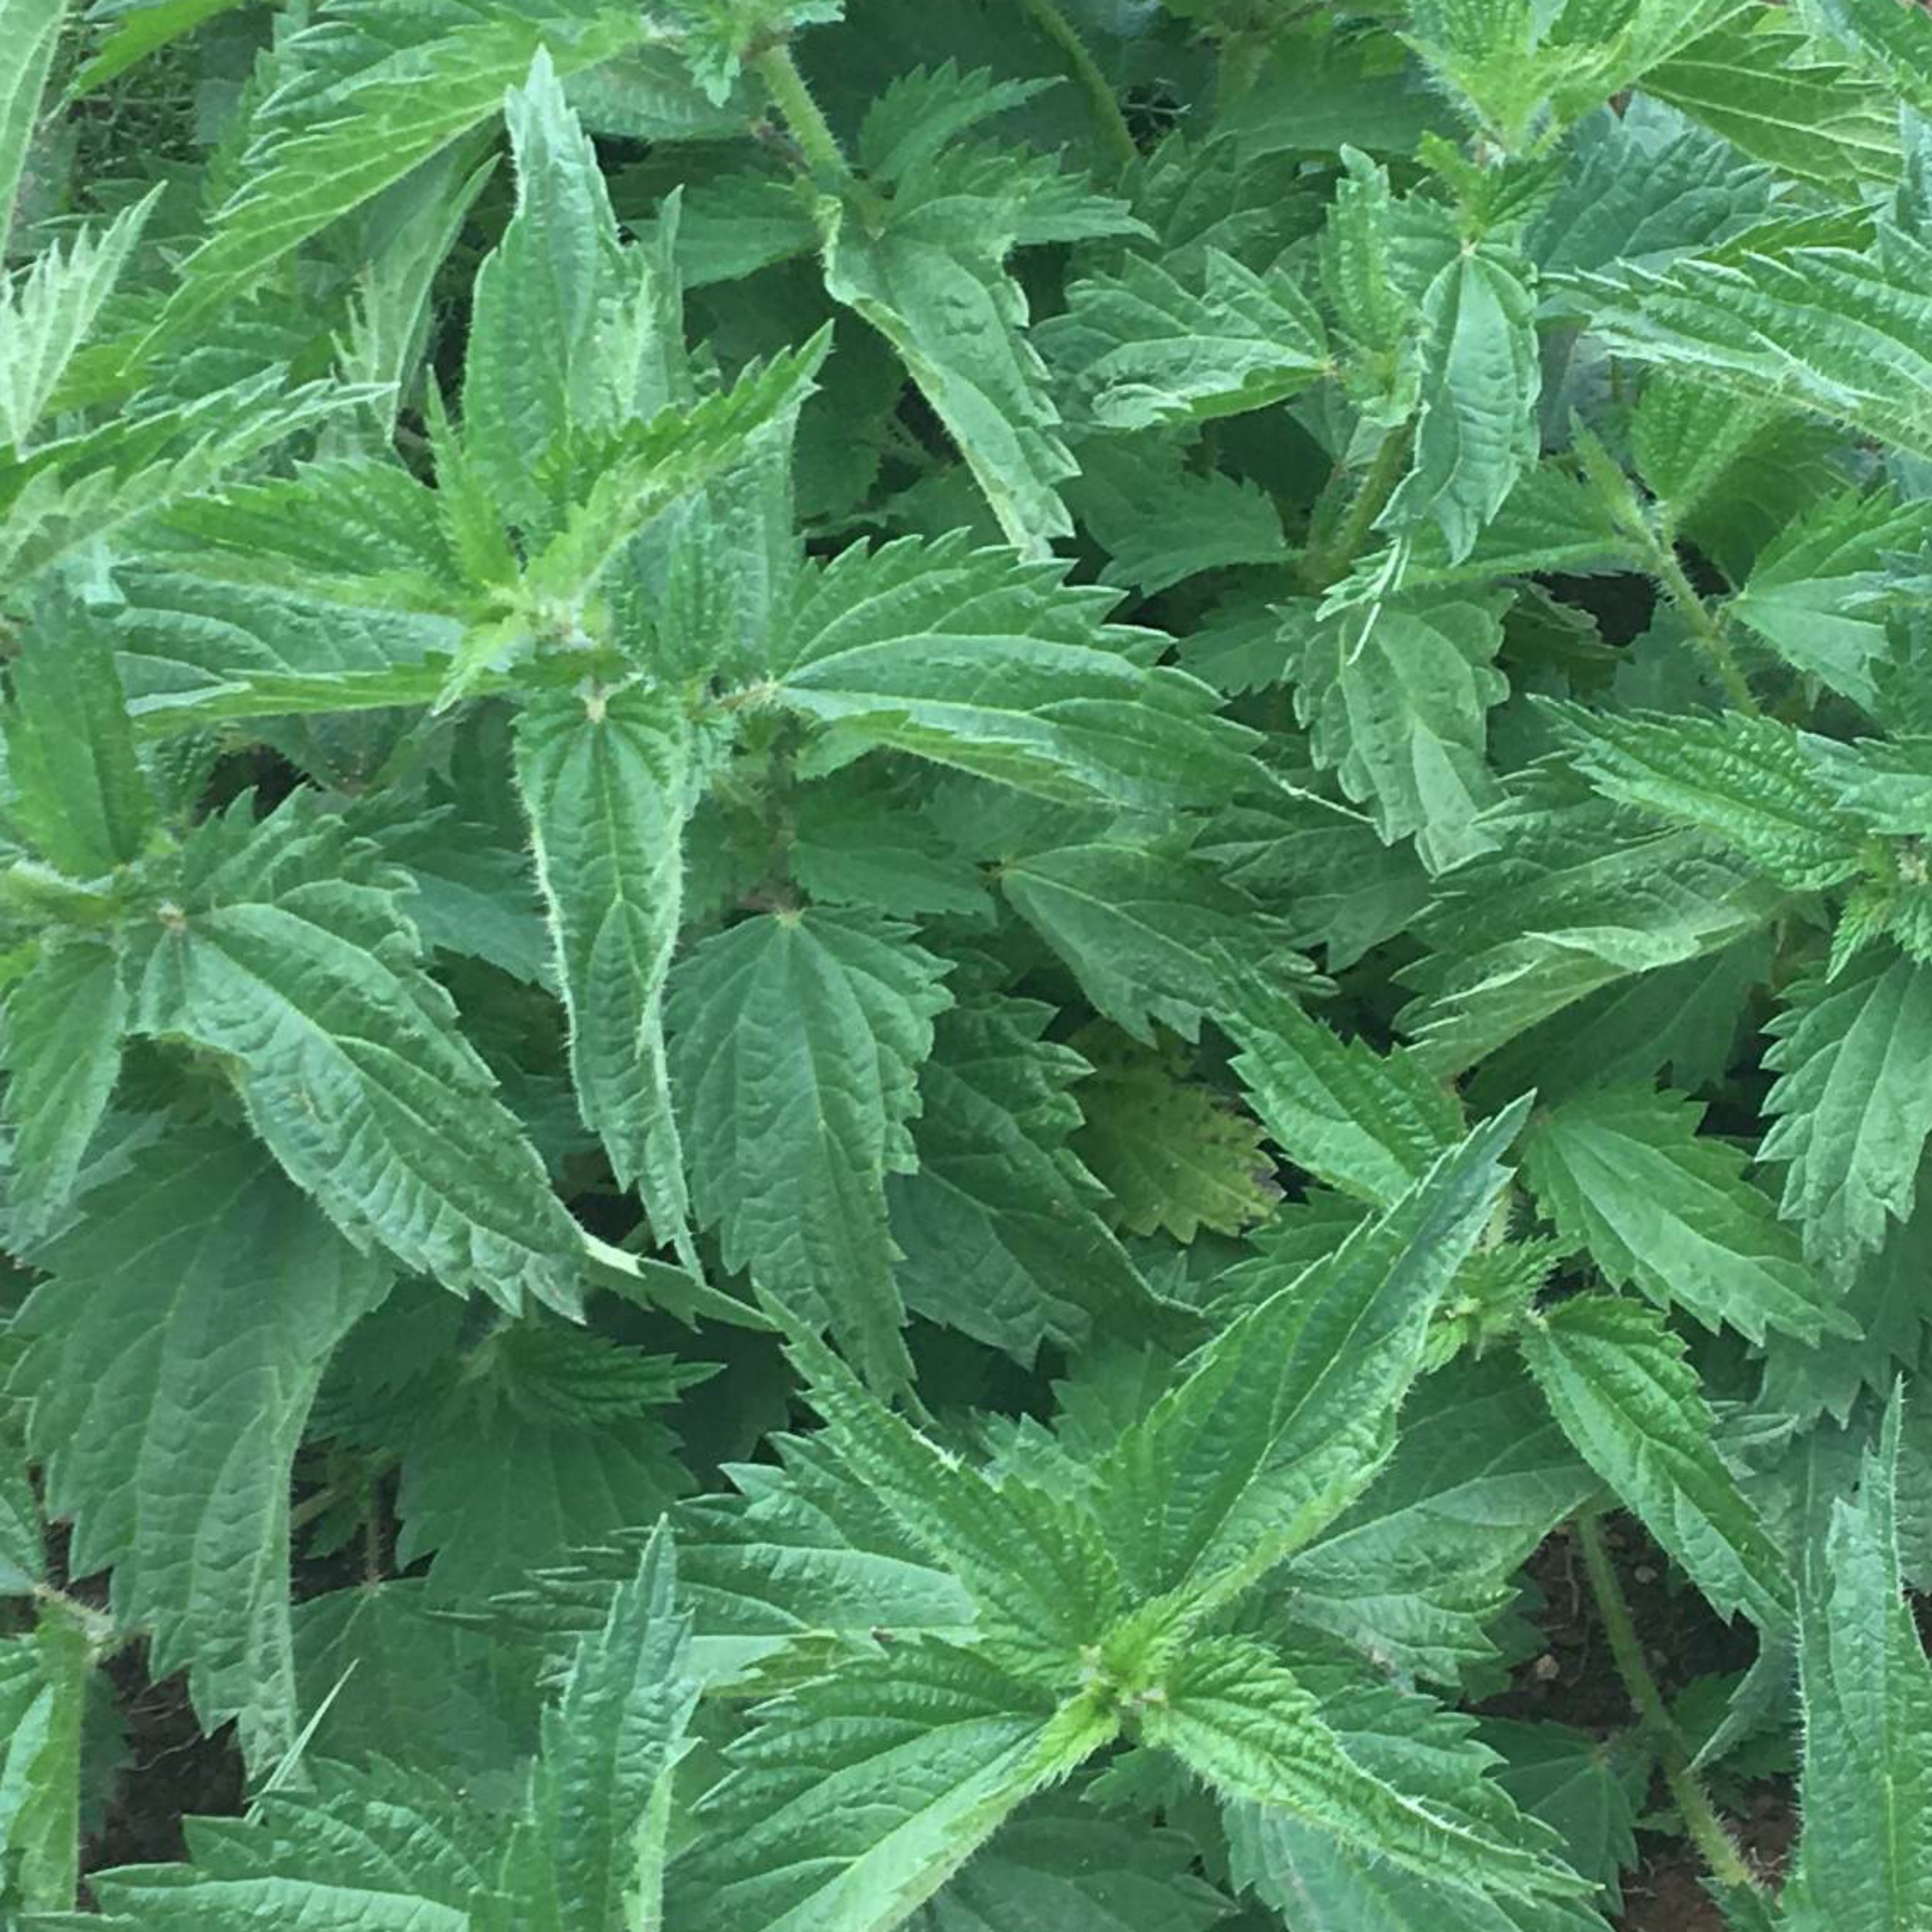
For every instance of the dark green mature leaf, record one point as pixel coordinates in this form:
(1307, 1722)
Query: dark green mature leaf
(1001, 1226)
(999, 668)
(60, 1037)
(177, 1345)
(607, 779)
(1618, 1382)
(287, 954)
(1853, 1107)
(1866, 1786)
(76, 794)
(1624, 1172)
(1283, 1420)
(796, 1042)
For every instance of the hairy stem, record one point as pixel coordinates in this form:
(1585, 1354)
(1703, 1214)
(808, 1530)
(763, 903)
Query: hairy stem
(1704, 627)
(793, 99)
(1109, 121)
(1693, 1805)
(1333, 549)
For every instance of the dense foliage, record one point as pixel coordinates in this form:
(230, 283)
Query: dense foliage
(906, 908)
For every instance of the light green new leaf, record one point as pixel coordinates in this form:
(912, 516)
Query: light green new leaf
(1757, 79)
(1283, 1420)
(1241, 1721)
(1397, 699)
(386, 92)
(1744, 779)
(29, 31)
(287, 954)
(547, 355)
(1000, 1227)
(855, 1800)
(1618, 1381)
(1481, 375)
(796, 1042)
(1853, 1107)
(1413, 1573)
(176, 1346)
(1865, 1855)
(1624, 1172)
(50, 311)
(1141, 348)
(78, 795)
(61, 1041)
(1148, 936)
(610, 1743)
(997, 666)
(1366, 1123)
(606, 779)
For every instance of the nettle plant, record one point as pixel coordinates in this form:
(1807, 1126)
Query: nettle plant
(906, 907)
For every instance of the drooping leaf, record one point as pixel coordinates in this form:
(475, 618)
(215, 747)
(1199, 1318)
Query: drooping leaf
(606, 779)
(1618, 1382)
(795, 1040)
(177, 1343)
(1624, 1172)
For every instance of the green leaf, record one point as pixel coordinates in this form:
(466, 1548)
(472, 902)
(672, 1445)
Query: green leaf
(44, 1679)
(858, 842)
(176, 1347)
(1866, 1848)
(287, 954)
(795, 1043)
(1745, 780)
(29, 31)
(1763, 84)
(1397, 702)
(78, 795)
(1141, 348)
(1241, 1721)
(1577, 896)
(1824, 328)
(931, 279)
(1587, 1789)
(1062, 1864)
(999, 668)
(1852, 1106)
(1146, 935)
(386, 92)
(1171, 1152)
(61, 1041)
(606, 777)
(856, 1799)
(1001, 1227)
(1367, 1123)
(1333, 1882)
(1618, 1382)
(1415, 1573)
(1624, 1172)
(1283, 1419)
(1480, 378)
(546, 1441)
(611, 1740)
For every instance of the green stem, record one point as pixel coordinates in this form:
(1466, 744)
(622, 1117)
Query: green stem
(1693, 1805)
(1705, 626)
(1327, 558)
(809, 128)
(1085, 70)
